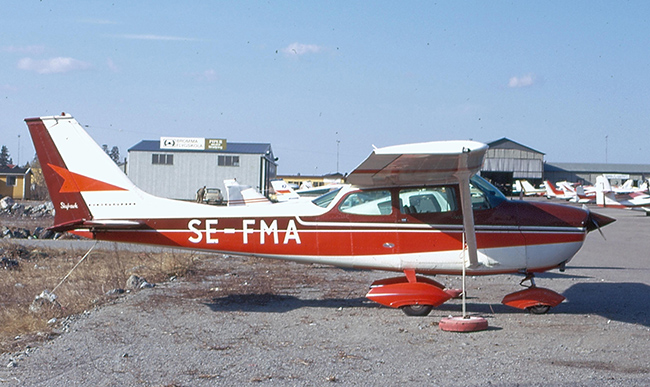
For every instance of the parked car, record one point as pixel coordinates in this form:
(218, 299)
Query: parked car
(213, 196)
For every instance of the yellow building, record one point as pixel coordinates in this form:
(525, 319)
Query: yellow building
(316, 181)
(15, 182)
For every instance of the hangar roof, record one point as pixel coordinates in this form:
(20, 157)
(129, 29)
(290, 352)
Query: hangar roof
(231, 147)
(597, 167)
(506, 143)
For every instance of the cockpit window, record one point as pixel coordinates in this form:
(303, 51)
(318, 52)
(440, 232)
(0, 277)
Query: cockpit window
(326, 199)
(427, 200)
(484, 194)
(376, 202)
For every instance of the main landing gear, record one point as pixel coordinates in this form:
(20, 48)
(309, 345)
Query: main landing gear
(415, 295)
(535, 300)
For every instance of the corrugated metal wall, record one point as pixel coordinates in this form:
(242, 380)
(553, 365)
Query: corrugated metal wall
(190, 171)
(523, 165)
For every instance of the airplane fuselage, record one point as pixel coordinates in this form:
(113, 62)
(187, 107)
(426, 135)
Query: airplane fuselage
(512, 236)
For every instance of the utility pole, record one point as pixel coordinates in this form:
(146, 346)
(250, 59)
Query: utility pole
(338, 142)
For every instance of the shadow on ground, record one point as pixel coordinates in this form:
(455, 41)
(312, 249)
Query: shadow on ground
(271, 303)
(624, 302)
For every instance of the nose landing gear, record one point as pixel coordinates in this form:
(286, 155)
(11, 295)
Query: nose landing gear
(535, 300)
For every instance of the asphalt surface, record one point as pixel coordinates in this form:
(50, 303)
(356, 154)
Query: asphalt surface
(251, 321)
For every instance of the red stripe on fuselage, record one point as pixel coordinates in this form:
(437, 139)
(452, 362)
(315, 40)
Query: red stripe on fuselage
(286, 236)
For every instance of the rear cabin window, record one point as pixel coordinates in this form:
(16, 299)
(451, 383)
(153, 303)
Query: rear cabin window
(427, 200)
(367, 203)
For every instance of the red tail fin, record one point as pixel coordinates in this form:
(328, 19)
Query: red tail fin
(61, 183)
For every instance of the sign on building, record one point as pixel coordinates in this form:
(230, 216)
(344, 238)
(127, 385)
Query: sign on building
(193, 143)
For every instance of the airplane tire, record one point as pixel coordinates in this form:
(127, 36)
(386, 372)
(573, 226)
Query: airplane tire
(539, 309)
(416, 310)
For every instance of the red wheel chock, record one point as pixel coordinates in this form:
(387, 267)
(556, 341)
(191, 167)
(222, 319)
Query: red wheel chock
(532, 297)
(398, 291)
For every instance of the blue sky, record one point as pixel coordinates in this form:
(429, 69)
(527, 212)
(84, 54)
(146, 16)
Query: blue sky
(570, 79)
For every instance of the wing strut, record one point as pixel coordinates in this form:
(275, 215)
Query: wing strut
(463, 175)
(469, 232)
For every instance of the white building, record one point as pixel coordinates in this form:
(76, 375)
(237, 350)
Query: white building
(179, 173)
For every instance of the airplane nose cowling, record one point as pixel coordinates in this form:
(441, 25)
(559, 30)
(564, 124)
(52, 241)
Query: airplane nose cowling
(596, 221)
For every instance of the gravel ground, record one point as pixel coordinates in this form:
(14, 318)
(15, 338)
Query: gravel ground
(246, 321)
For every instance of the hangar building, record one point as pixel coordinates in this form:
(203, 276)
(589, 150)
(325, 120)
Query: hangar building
(586, 173)
(176, 169)
(507, 161)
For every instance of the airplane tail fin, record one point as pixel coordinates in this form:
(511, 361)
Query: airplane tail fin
(242, 195)
(628, 185)
(527, 187)
(605, 196)
(75, 168)
(283, 192)
(551, 191)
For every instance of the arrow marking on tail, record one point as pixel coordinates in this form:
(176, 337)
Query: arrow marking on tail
(74, 182)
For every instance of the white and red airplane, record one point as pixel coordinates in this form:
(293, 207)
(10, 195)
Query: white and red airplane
(283, 191)
(412, 209)
(606, 196)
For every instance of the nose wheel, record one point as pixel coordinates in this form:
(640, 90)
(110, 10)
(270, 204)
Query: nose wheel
(533, 299)
(417, 310)
(539, 309)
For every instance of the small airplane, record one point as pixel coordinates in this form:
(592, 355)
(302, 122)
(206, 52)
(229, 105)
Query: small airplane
(284, 192)
(577, 193)
(606, 196)
(553, 192)
(527, 189)
(417, 209)
(242, 195)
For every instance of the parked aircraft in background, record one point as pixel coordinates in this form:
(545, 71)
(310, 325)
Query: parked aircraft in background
(283, 191)
(527, 189)
(417, 209)
(577, 193)
(552, 192)
(241, 195)
(606, 196)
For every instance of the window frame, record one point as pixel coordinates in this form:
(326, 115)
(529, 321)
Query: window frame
(166, 158)
(228, 161)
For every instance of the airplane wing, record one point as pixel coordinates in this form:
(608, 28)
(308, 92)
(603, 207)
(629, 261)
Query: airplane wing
(437, 162)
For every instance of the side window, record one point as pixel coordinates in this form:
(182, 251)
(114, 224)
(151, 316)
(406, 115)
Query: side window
(479, 201)
(427, 200)
(367, 203)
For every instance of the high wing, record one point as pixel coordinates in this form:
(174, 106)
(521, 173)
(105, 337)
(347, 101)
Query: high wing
(437, 162)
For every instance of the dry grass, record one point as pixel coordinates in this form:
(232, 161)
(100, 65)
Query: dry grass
(86, 287)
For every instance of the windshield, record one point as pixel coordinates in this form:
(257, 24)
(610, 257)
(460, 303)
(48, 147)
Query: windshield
(325, 200)
(484, 194)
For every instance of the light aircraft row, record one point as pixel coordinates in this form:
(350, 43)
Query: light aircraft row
(416, 209)
(626, 197)
(603, 193)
